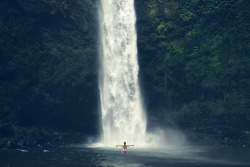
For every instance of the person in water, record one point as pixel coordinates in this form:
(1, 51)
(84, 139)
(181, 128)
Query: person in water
(125, 146)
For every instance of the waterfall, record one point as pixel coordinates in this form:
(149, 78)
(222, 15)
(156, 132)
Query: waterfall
(122, 115)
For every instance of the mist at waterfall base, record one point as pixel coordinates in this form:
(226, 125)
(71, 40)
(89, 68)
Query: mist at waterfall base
(156, 139)
(122, 113)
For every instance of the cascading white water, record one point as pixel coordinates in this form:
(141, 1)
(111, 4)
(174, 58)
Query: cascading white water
(123, 117)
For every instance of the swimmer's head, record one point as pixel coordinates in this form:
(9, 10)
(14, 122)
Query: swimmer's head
(124, 143)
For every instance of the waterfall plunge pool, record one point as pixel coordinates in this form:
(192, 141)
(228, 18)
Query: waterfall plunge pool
(82, 156)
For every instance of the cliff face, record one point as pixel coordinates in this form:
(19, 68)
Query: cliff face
(193, 56)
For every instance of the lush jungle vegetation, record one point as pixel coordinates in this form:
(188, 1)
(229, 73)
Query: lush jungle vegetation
(193, 55)
(195, 64)
(48, 66)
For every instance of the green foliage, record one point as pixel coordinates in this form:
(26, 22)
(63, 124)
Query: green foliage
(47, 68)
(198, 52)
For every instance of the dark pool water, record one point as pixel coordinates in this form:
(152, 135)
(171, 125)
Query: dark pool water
(78, 156)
